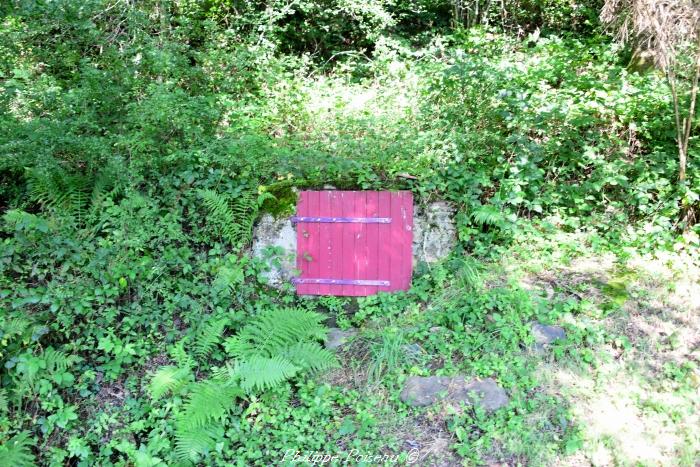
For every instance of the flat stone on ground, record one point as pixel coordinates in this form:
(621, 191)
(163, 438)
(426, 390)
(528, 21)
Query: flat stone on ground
(420, 391)
(546, 335)
(485, 392)
(337, 337)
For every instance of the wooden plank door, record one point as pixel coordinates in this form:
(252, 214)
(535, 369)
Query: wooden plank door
(354, 243)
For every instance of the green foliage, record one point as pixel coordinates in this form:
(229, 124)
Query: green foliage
(274, 330)
(233, 215)
(208, 337)
(17, 451)
(262, 373)
(276, 344)
(168, 379)
(140, 141)
(272, 348)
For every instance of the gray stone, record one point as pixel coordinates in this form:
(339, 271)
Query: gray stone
(337, 337)
(420, 391)
(545, 335)
(279, 233)
(412, 350)
(486, 392)
(434, 232)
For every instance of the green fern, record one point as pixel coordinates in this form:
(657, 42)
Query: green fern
(310, 356)
(12, 328)
(181, 356)
(58, 361)
(168, 379)
(4, 403)
(263, 373)
(273, 347)
(17, 451)
(208, 400)
(196, 428)
(234, 216)
(69, 193)
(191, 443)
(56, 190)
(209, 336)
(276, 345)
(275, 330)
(487, 215)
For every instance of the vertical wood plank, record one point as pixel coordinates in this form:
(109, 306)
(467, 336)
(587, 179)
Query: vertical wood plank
(372, 253)
(395, 242)
(336, 246)
(325, 252)
(407, 261)
(357, 242)
(348, 202)
(360, 242)
(314, 241)
(302, 242)
(348, 241)
(383, 257)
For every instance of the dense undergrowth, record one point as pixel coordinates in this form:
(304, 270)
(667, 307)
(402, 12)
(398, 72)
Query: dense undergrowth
(140, 142)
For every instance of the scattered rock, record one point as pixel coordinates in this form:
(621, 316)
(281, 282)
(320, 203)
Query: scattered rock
(436, 329)
(412, 350)
(485, 392)
(545, 335)
(337, 337)
(271, 232)
(422, 391)
(434, 232)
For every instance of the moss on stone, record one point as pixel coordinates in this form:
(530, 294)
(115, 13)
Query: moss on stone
(284, 201)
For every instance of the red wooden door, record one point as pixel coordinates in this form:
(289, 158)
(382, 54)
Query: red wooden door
(354, 242)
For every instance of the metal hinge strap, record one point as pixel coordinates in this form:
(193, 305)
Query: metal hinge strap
(299, 280)
(355, 220)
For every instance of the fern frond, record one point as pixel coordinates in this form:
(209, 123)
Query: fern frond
(263, 373)
(17, 451)
(310, 356)
(192, 443)
(4, 404)
(208, 401)
(58, 191)
(234, 217)
(487, 215)
(180, 355)
(58, 361)
(168, 379)
(209, 336)
(274, 330)
(220, 213)
(245, 211)
(14, 327)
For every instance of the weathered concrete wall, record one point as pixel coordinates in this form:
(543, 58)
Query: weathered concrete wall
(434, 236)
(271, 232)
(434, 232)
